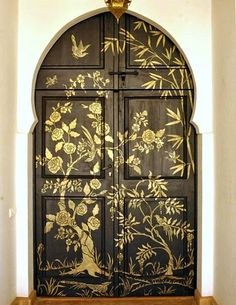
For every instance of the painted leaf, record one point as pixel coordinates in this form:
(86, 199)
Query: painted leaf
(85, 227)
(91, 116)
(160, 133)
(110, 154)
(120, 136)
(51, 217)
(137, 169)
(65, 127)
(86, 189)
(61, 205)
(89, 201)
(97, 140)
(74, 134)
(71, 205)
(73, 124)
(76, 247)
(96, 168)
(48, 154)
(48, 227)
(59, 146)
(95, 210)
(130, 159)
(109, 139)
(48, 122)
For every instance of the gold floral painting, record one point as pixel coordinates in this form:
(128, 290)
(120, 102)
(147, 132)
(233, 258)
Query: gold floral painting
(115, 178)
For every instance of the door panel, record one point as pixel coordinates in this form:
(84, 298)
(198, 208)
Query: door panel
(74, 48)
(156, 181)
(115, 164)
(74, 248)
(150, 130)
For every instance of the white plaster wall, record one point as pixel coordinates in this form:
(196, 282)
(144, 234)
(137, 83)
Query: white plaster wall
(225, 147)
(8, 64)
(189, 22)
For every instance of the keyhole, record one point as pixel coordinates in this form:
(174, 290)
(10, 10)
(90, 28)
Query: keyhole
(123, 80)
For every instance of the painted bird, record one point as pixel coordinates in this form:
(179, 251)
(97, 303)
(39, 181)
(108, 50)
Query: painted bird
(78, 51)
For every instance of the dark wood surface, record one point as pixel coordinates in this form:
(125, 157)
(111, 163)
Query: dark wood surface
(127, 190)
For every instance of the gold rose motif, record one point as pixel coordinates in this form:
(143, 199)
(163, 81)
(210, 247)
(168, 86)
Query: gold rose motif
(81, 209)
(95, 184)
(93, 223)
(57, 134)
(55, 164)
(69, 148)
(62, 218)
(103, 129)
(95, 108)
(148, 136)
(55, 116)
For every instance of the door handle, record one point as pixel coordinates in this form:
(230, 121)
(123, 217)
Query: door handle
(123, 73)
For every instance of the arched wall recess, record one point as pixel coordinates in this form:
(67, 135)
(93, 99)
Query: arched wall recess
(196, 26)
(114, 148)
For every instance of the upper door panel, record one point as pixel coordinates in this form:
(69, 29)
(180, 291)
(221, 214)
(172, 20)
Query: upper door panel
(77, 60)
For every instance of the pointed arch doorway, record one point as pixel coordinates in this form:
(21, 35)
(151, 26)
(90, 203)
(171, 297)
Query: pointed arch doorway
(115, 178)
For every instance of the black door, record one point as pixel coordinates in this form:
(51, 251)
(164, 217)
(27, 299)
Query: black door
(115, 164)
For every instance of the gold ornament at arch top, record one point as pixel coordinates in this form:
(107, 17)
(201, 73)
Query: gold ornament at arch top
(153, 227)
(118, 7)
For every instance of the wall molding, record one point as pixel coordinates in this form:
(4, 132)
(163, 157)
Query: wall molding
(30, 300)
(204, 300)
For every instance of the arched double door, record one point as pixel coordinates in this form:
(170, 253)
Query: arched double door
(115, 164)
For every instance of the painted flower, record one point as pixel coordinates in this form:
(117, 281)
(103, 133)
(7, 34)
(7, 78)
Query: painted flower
(81, 146)
(57, 134)
(94, 124)
(103, 129)
(80, 78)
(96, 74)
(55, 164)
(62, 218)
(159, 143)
(55, 116)
(69, 148)
(81, 209)
(93, 223)
(61, 233)
(102, 93)
(69, 242)
(136, 161)
(95, 108)
(63, 109)
(136, 127)
(95, 184)
(148, 136)
(190, 237)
